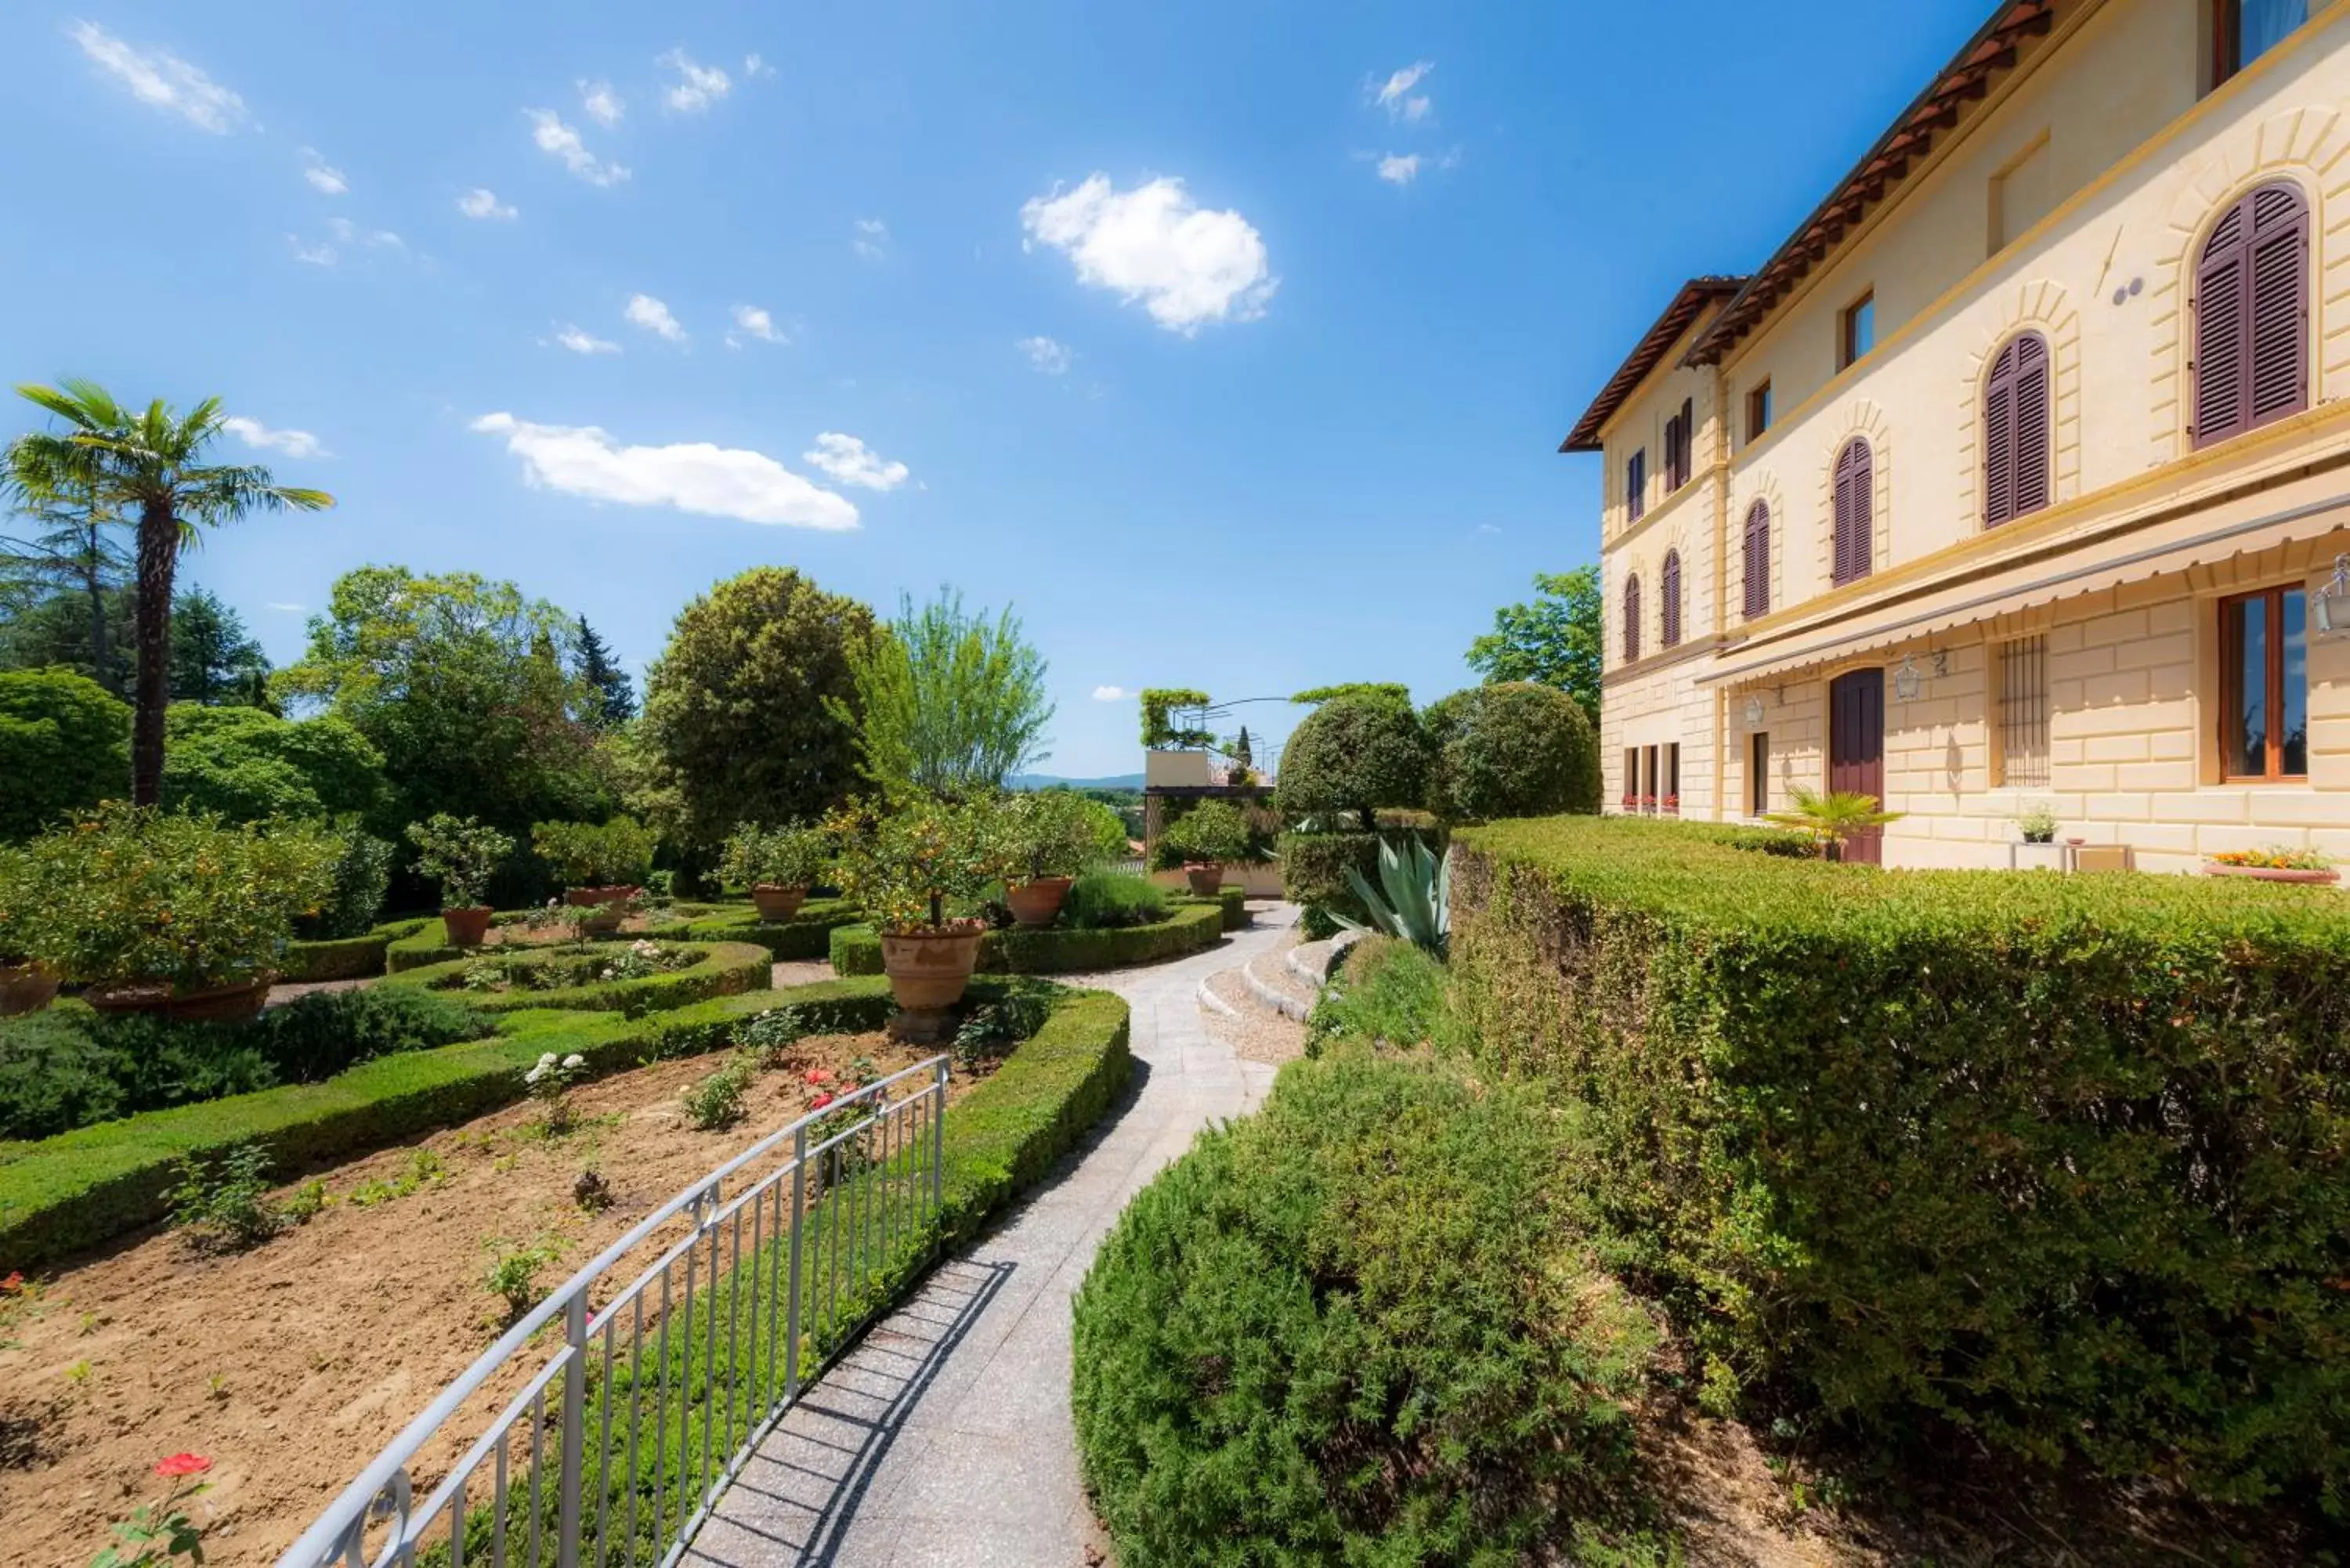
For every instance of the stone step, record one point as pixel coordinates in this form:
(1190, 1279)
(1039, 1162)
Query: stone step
(1314, 961)
(1269, 979)
(1256, 1034)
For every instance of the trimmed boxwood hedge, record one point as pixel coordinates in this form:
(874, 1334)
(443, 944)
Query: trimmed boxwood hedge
(348, 958)
(1195, 926)
(1234, 902)
(724, 970)
(417, 943)
(67, 1194)
(2061, 1159)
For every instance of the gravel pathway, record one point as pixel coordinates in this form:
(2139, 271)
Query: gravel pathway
(944, 1438)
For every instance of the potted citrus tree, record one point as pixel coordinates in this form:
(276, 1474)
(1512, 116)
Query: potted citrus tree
(601, 865)
(1050, 837)
(1208, 837)
(777, 864)
(904, 865)
(182, 916)
(28, 983)
(463, 855)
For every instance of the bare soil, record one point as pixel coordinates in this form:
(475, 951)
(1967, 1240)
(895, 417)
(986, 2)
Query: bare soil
(291, 1364)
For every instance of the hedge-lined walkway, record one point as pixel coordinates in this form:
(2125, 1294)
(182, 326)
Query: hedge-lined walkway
(944, 1438)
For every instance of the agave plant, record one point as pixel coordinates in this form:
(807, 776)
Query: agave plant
(1413, 900)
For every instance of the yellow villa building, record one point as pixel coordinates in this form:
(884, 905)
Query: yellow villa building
(2020, 475)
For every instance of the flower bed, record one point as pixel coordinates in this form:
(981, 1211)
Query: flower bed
(415, 944)
(2057, 1158)
(717, 969)
(1193, 927)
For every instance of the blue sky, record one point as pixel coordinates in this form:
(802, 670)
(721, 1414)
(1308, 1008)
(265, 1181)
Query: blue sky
(1231, 343)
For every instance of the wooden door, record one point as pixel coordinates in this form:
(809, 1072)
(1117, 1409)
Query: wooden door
(1856, 750)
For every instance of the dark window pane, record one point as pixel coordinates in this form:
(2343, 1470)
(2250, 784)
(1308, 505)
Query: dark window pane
(2292, 703)
(2247, 674)
(2261, 25)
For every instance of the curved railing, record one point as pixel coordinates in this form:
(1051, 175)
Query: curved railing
(624, 1431)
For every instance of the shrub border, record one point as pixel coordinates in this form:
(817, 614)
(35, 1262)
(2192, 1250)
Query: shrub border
(724, 970)
(80, 1190)
(417, 944)
(1192, 927)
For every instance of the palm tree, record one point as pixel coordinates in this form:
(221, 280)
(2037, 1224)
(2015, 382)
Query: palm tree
(149, 462)
(1834, 818)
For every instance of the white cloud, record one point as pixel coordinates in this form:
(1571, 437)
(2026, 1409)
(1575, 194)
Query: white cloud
(559, 140)
(754, 67)
(603, 105)
(643, 310)
(324, 177)
(1395, 94)
(1109, 693)
(161, 78)
(753, 323)
(581, 341)
(1045, 356)
(309, 255)
(872, 239)
(293, 443)
(848, 460)
(350, 234)
(481, 202)
(1155, 245)
(691, 476)
(697, 87)
(1400, 169)
(289, 609)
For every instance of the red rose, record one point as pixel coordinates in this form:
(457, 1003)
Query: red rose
(819, 1102)
(180, 1465)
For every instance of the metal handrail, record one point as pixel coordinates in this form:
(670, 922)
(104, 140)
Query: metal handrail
(898, 1146)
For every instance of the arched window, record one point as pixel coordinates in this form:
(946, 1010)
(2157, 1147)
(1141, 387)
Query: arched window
(1670, 585)
(1631, 618)
(1758, 560)
(1856, 512)
(2252, 315)
(2015, 431)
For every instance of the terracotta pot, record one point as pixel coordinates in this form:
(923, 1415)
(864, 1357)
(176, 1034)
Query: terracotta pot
(1037, 903)
(1206, 881)
(929, 969)
(777, 902)
(25, 988)
(582, 896)
(238, 1004)
(466, 927)
(2311, 876)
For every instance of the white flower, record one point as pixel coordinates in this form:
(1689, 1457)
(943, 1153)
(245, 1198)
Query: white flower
(575, 1061)
(547, 1059)
(608, 975)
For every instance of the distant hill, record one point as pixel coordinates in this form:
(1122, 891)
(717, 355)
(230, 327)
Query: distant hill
(1053, 780)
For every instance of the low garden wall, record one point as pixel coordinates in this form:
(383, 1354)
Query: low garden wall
(2060, 1158)
(1192, 927)
(65, 1194)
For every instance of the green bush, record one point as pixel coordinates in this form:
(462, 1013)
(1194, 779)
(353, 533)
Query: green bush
(1213, 832)
(1055, 949)
(344, 958)
(720, 969)
(615, 854)
(1385, 994)
(1354, 754)
(247, 765)
(1510, 749)
(1233, 899)
(65, 745)
(360, 874)
(1111, 900)
(1354, 1328)
(2055, 1157)
(71, 1067)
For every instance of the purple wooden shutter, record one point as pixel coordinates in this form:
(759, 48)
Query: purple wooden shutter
(2015, 431)
(1758, 561)
(1631, 619)
(1672, 598)
(2252, 315)
(1854, 547)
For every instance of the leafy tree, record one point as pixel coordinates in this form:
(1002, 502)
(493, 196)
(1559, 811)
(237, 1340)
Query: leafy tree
(743, 719)
(65, 744)
(214, 660)
(1555, 640)
(64, 543)
(596, 668)
(1160, 731)
(466, 689)
(1512, 749)
(43, 627)
(1356, 753)
(1377, 691)
(149, 463)
(247, 765)
(948, 704)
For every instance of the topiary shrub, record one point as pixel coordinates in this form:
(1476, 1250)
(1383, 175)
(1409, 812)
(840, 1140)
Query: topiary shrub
(1510, 749)
(1108, 900)
(1354, 754)
(1355, 1328)
(65, 745)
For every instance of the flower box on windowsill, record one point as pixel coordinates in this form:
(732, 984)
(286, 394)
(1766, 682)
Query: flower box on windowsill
(1672, 805)
(1648, 805)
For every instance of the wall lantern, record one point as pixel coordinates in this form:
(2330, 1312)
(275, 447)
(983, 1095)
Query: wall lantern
(1906, 681)
(1754, 710)
(2334, 601)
